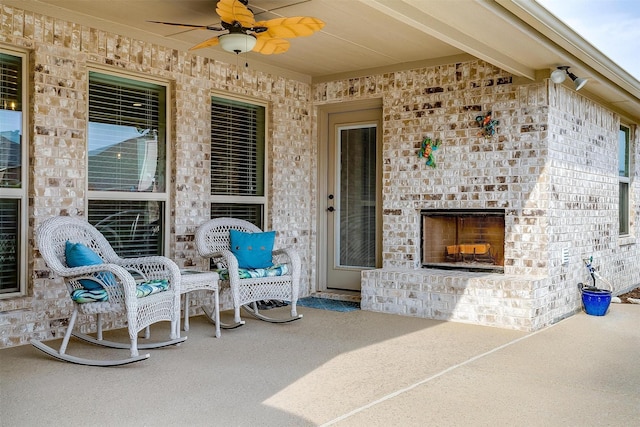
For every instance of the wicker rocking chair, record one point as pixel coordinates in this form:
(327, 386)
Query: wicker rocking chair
(248, 286)
(108, 285)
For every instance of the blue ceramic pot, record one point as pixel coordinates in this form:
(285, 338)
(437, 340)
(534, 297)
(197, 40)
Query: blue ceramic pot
(595, 301)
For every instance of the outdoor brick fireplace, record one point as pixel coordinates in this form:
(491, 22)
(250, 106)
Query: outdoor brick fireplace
(469, 240)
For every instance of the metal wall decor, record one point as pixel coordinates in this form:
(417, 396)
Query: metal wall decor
(427, 148)
(487, 124)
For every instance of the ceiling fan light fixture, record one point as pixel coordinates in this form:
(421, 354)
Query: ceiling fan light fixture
(243, 31)
(237, 42)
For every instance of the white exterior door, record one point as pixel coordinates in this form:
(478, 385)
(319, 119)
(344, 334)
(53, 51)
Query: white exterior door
(352, 194)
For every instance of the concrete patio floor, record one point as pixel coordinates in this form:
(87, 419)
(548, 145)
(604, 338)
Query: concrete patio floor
(345, 369)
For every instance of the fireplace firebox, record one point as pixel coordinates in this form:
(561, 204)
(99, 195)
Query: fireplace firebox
(470, 240)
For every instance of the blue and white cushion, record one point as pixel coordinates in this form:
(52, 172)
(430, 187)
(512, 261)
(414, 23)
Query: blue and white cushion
(143, 289)
(253, 273)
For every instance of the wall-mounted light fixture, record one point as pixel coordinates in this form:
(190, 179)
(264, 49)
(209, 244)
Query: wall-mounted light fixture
(561, 73)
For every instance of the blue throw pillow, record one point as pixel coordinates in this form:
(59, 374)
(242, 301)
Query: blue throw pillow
(79, 255)
(253, 250)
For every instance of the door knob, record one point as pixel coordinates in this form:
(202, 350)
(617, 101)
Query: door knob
(331, 209)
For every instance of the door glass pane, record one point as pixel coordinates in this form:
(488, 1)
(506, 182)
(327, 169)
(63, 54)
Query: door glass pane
(357, 218)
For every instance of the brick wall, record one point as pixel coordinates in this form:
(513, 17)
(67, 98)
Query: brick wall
(552, 166)
(60, 53)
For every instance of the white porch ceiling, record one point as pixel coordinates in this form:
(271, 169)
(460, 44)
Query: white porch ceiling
(364, 36)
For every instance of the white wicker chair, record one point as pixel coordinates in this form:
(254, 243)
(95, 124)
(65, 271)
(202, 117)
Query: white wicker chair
(213, 241)
(139, 312)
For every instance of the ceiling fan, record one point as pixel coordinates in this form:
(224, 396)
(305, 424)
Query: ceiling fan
(242, 33)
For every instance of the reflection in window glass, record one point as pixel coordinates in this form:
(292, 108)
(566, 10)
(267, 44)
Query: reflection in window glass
(127, 146)
(10, 148)
(10, 120)
(238, 160)
(248, 212)
(133, 228)
(623, 178)
(358, 196)
(9, 244)
(13, 193)
(126, 135)
(623, 151)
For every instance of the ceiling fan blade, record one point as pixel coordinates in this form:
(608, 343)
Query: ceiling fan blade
(296, 26)
(231, 11)
(213, 41)
(270, 46)
(202, 27)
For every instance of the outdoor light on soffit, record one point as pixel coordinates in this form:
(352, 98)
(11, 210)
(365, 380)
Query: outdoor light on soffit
(561, 73)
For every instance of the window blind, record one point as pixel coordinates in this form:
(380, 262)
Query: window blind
(9, 245)
(126, 135)
(237, 148)
(127, 154)
(248, 212)
(133, 228)
(10, 82)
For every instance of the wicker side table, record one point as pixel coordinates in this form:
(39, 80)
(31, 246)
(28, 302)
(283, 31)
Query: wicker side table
(193, 280)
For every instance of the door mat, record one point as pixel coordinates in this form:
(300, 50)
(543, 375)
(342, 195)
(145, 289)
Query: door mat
(329, 304)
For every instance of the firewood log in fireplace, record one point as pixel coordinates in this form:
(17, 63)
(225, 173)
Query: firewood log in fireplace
(479, 252)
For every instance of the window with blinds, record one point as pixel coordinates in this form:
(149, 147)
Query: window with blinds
(13, 194)
(251, 213)
(126, 135)
(127, 162)
(238, 159)
(10, 121)
(134, 228)
(9, 244)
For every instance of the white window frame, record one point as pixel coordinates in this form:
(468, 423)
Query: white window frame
(624, 229)
(21, 193)
(163, 197)
(244, 199)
